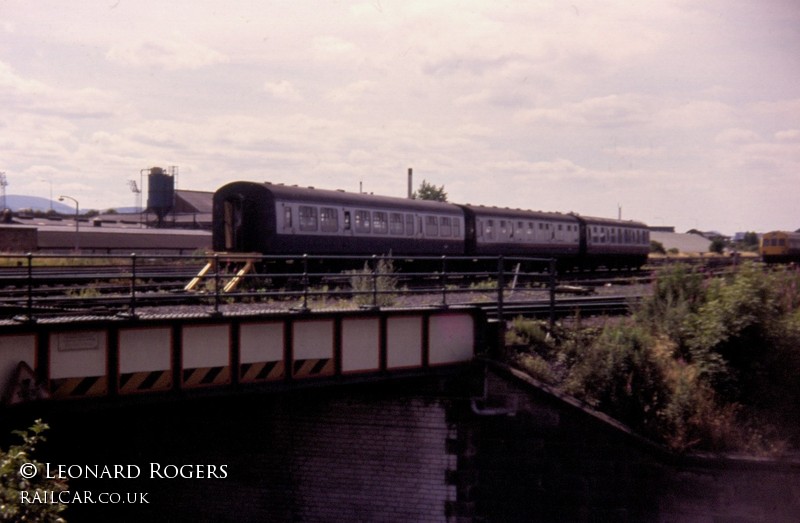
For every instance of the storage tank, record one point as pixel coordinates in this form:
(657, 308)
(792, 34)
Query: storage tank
(160, 193)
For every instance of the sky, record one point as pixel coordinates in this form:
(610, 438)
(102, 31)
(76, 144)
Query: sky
(674, 112)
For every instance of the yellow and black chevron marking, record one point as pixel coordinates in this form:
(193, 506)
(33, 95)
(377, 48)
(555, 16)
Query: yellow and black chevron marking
(206, 376)
(79, 387)
(263, 370)
(314, 367)
(145, 381)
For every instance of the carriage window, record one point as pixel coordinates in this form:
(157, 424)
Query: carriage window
(346, 220)
(530, 228)
(503, 230)
(456, 228)
(362, 221)
(409, 224)
(396, 223)
(287, 217)
(328, 219)
(308, 218)
(431, 226)
(445, 227)
(380, 224)
(489, 230)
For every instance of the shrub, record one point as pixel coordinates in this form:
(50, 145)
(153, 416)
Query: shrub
(12, 483)
(620, 376)
(374, 285)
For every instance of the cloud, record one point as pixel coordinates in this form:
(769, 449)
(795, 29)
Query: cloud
(283, 90)
(605, 111)
(736, 136)
(169, 53)
(22, 95)
(351, 92)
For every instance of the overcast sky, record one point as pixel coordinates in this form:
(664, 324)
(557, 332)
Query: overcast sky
(684, 113)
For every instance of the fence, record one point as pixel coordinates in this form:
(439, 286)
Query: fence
(34, 286)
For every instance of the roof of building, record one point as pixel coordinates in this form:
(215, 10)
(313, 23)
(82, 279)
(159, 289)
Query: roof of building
(196, 201)
(686, 243)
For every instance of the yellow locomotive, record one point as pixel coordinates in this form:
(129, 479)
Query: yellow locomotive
(780, 247)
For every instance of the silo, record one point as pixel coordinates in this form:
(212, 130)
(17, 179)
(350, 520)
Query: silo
(160, 193)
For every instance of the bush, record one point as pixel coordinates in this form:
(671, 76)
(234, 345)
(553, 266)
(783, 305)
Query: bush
(12, 483)
(620, 376)
(374, 286)
(704, 363)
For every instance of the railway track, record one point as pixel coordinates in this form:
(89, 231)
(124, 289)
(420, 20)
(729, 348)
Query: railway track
(29, 291)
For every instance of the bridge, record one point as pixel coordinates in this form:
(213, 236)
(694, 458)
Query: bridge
(322, 412)
(183, 353)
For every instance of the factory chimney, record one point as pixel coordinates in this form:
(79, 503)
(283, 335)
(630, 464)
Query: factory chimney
(410, 184)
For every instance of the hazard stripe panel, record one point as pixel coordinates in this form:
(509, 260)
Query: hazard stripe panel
(145, 381)
(262, 371)
(206, 377)
(79, 387)
(312, 368)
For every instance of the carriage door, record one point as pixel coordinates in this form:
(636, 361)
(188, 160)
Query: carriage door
(233, 211)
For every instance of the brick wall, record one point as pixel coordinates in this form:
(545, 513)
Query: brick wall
(416, 449)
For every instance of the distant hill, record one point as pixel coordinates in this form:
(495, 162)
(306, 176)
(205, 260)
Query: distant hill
(15, 202)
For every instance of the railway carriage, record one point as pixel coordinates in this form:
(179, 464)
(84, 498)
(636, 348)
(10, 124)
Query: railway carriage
(513, 232)
(278, 219)
(780, 247)
(613, 243)
(274, 219)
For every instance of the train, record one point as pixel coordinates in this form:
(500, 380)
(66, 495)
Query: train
(277, 219)
(780, 247)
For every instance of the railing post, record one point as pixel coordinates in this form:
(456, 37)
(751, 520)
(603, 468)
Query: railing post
(501, 283)
(443, 279)
(133, 285)
(552, 285)
(216, 284)
(30, 287)
(305, 282)
(374, 281)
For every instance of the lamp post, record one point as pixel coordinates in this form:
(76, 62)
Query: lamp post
(77, 224)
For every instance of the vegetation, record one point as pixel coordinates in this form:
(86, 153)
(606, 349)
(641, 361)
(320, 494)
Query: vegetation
(18, 461)
(657, 247)
(428, 191)
(374, 285)
(717, 245)
(703, 364)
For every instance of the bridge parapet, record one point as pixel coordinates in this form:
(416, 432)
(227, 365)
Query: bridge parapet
(125, 358)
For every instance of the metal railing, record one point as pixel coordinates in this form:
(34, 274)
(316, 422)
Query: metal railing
(37, 286)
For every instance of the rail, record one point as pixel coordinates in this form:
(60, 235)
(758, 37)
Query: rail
(34, 287)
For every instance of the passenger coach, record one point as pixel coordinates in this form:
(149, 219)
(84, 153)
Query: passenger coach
(278, 219)
(613, 243)
(511, 232)
(780, 247)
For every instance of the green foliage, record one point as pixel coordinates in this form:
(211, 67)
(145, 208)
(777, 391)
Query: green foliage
(717, 245)
(374, 286)
(428, 191)
(12, 483)
(620, 376)
(704, 363)
(657, 247)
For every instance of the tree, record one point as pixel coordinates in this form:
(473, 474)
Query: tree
(22, 478)
(657, 247)
(428, 191)
(717, 245)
